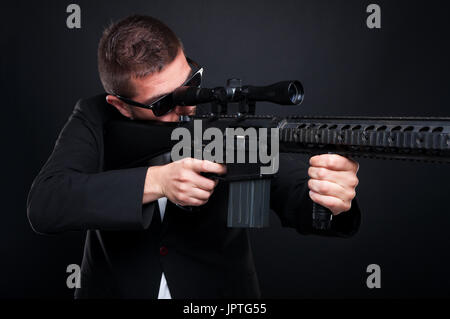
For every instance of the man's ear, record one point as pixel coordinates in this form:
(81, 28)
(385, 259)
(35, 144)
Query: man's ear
(121, 106)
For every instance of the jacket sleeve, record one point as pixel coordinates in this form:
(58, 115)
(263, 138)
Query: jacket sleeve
(290, 200)
(71, 192)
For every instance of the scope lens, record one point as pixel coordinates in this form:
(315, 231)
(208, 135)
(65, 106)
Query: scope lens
(295, 93)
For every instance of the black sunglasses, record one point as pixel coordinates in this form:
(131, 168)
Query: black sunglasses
(164, 104)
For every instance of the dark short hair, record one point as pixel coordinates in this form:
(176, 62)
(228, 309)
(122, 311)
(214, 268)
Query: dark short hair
(136, 46)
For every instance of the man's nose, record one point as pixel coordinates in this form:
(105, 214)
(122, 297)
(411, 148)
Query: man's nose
(185, 110)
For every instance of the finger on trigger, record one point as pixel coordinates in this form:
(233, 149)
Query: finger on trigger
(211, 167)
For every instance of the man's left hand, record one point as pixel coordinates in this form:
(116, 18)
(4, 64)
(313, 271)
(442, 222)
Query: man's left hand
(333, 181)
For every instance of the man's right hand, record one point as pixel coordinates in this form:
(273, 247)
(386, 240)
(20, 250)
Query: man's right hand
(181, 182)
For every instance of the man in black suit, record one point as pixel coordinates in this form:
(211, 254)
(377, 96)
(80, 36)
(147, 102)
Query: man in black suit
(140, 244)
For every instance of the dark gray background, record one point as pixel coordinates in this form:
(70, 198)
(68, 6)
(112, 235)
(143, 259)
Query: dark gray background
(346, 68)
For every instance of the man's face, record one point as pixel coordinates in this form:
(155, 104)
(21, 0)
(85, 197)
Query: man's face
(154, 86)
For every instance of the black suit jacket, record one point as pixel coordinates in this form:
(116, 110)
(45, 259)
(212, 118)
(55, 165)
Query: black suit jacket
(127, 247)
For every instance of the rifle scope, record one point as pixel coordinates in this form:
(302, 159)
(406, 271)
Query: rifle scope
(284, 93)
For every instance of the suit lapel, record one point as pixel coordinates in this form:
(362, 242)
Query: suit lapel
(167, 214)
